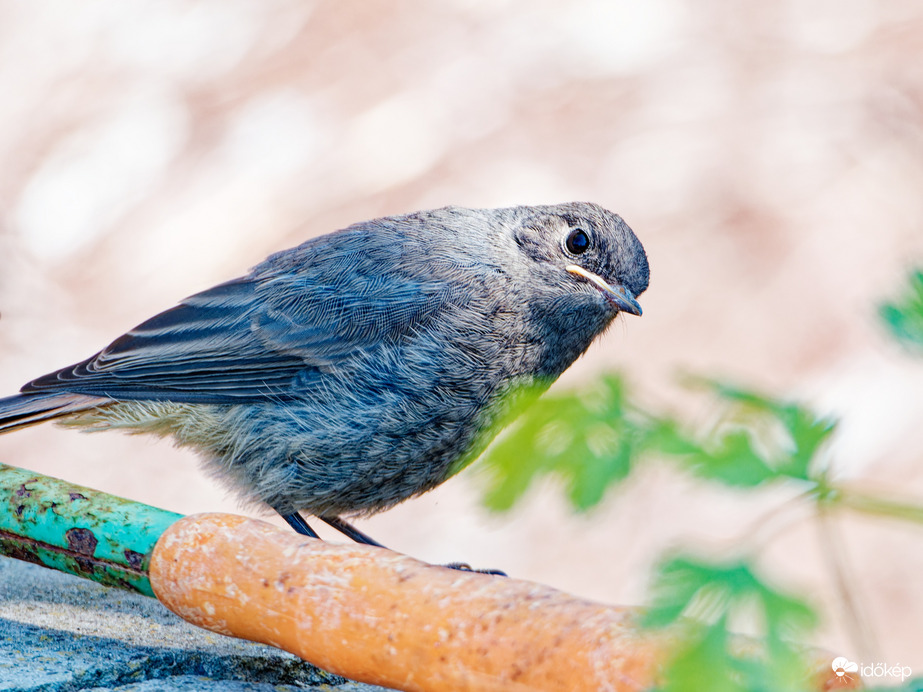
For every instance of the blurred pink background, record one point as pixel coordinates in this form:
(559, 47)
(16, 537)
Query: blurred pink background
(769, 156)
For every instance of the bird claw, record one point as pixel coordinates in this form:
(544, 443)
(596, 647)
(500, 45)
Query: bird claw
(465, 567)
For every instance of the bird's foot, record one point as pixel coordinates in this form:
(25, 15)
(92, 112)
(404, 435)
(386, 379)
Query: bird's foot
(297, 522)
(465, 567)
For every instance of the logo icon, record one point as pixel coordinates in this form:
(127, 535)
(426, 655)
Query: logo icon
(842, 665)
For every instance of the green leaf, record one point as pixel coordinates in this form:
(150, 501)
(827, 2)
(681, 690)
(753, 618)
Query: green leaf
(666, 437)
(701, 599)
(589, 439)
(702, 663)
(766, 438)
(904, 317)
(592, 438)
(733, 462)
(675, 585)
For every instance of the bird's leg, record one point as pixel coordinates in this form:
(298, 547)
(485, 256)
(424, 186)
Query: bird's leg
(297, 522)
(350, 531)
(355, 534)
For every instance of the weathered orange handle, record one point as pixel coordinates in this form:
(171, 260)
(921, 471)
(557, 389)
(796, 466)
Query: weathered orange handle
(380, 617)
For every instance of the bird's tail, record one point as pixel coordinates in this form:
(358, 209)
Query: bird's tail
(23, 410)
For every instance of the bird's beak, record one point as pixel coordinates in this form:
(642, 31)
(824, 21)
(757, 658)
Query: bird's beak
(617, 295)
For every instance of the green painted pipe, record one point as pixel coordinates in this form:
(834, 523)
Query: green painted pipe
(78, 530)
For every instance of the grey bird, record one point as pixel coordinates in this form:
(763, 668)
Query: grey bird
(363, 367)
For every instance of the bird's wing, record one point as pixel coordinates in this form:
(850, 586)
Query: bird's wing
(258, 337)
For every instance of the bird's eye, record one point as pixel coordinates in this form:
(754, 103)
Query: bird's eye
(577, 242)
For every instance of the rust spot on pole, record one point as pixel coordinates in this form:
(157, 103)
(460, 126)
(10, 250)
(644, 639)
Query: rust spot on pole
(134, 560)
(81, 541)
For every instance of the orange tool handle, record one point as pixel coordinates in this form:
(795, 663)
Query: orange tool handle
(380, 617)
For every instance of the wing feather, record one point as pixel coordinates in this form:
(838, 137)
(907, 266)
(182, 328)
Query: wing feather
(267, 334)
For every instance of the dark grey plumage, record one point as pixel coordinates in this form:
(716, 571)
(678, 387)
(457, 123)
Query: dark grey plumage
(364, 366)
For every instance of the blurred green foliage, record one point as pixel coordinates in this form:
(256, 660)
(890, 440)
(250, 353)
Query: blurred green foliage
(762, 440)
(588, 438)
(905, 316)
(704, 598)
(593, 438)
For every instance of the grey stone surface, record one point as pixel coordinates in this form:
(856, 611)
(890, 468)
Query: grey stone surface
(63, 633)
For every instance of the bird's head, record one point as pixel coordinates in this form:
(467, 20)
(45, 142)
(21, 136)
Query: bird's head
(581, 249)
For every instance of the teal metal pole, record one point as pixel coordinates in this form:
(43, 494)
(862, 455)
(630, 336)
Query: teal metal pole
(79, 530)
